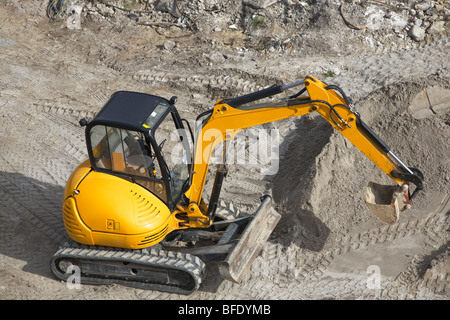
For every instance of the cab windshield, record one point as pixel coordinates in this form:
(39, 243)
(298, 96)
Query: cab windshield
(127, 151)
(174, 146)
(130, 152)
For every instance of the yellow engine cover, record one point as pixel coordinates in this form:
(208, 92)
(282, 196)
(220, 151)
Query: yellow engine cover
(102, 209)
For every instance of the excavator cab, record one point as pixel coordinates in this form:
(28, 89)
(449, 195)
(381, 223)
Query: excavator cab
(149, 144)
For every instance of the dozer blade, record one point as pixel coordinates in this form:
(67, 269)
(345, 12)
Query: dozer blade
(252, 240)
(386, 202)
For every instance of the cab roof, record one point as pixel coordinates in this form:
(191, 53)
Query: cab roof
(128, 109)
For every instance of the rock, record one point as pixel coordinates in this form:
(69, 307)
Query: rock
(133, 16)
(416, 33)
(436, 27)
(215, 57)
(420, 106)
(424, 6)
(106, 11)
(431, 101)
(439, 99)
(168, 6)
(169, 45)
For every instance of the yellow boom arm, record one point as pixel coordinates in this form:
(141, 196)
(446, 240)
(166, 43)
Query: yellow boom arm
(229, 117)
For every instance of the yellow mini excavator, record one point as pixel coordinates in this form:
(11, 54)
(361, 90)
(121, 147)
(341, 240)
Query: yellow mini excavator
(135, 210)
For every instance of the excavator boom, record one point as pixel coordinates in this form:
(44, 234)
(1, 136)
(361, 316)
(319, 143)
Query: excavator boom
(231, 116)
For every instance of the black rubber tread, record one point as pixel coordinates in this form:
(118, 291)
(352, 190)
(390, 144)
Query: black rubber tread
(182, 273)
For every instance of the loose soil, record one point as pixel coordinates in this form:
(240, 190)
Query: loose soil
(327, 244)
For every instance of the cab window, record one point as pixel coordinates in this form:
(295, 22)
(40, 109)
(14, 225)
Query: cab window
(127, 151)
(174, 146)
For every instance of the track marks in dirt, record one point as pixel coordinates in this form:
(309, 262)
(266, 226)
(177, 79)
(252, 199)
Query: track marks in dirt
(34, 202)
(33, 169)
(285, 269)
(212, 85)
(383, 69)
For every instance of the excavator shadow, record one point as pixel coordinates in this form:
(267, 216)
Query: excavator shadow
(31, 226)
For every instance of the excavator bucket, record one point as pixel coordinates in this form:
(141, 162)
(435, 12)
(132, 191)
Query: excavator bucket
(239, 260)
(386, 202)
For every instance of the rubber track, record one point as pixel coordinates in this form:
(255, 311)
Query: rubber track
(191, 265)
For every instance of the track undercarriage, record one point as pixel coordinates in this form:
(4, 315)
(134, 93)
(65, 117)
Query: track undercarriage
(176, 265)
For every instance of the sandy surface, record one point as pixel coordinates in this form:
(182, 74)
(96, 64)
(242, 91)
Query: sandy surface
(327, 245)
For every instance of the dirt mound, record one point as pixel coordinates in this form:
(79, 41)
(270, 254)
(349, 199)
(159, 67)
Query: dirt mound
(322, 178)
